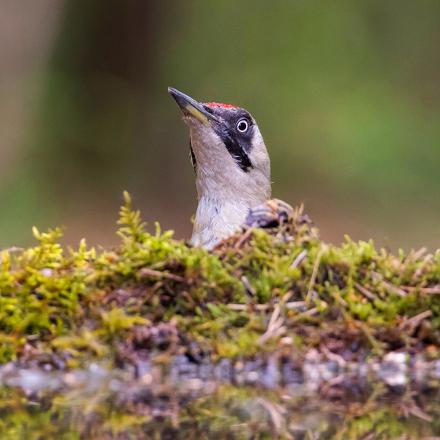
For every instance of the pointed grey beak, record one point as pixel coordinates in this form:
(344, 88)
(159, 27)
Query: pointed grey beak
(191, 107)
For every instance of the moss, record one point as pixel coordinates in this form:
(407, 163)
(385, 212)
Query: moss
(253, 294)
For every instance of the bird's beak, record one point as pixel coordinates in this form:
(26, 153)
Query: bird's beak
(191, 107)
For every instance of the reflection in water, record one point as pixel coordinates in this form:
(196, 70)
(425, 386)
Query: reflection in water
(107, 407)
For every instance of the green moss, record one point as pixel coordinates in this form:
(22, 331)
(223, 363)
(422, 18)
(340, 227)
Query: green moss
(239, 300)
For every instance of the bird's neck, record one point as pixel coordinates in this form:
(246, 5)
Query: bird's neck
(223, 198)
(217, 219)
(223, 188)
(222, 210)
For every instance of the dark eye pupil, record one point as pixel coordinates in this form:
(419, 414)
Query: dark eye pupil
(242, 126)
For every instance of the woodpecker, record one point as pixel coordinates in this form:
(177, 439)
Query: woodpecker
(232, 168)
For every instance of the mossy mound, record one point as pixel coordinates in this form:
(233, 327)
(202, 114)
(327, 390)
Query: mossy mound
(279, 292)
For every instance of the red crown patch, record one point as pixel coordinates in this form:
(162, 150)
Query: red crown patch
(219, 104)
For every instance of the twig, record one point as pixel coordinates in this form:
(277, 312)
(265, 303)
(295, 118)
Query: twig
(243, 238)
(415, 320)
(365, 292)
(295, 305)
(314, 274)
(147, 272)
(247, 285)
(434, 290)
(239, 307)
(275, 315)
(418, 254)
(188, 297)
(391, 287)
(419, 271)
(305, 314)
(274, 327)
(394, 289)
(285, 298)
(299, 259)
(339, 299)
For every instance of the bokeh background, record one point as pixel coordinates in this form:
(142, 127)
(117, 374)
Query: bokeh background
(346, 93)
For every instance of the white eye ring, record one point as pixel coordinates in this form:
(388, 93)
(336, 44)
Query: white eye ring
(242, 125)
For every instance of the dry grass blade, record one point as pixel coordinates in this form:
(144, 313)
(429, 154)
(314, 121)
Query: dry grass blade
(242, 307)
(415, 320)
(237, 307)
(434, 290)
(314, 273)
(394, 289)
(416, 255)
(275, 326)
(247, 285)
(390, 287)
(147, 272)
(371, 296)
(305, 314)
(243, 238)
(295, 305)
(299, 259)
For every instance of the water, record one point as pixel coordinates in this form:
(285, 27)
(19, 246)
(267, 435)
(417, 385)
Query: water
(99, 404)
(226, 412)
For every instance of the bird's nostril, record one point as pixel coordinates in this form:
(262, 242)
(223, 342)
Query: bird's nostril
(208, 109)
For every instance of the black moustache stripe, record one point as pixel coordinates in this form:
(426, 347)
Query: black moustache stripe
(236, 150)
(192, 157)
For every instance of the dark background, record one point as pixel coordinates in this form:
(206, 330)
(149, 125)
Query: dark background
(347, 95)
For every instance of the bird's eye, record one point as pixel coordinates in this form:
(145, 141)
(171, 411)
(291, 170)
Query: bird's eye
(242, 125)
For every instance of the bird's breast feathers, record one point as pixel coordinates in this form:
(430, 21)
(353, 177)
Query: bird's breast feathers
(216, 221)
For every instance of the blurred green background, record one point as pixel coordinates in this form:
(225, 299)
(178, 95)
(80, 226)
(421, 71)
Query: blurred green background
(346, 93)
